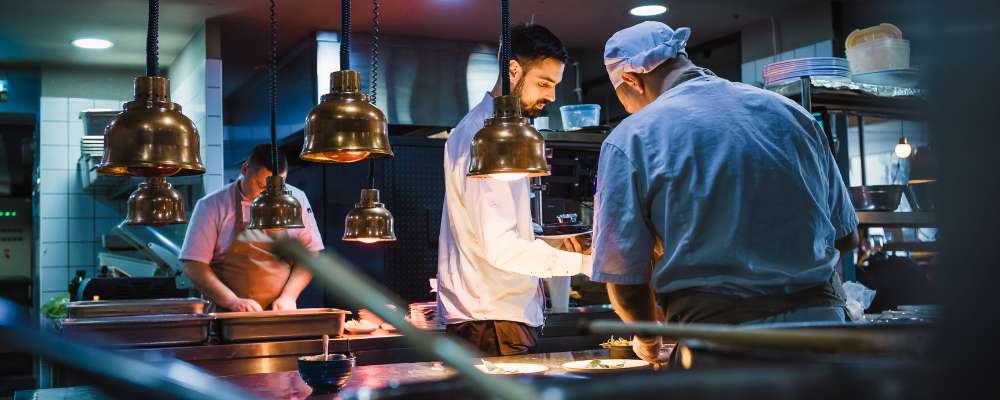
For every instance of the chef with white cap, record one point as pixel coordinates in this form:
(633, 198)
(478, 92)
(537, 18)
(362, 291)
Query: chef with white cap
(720, 199)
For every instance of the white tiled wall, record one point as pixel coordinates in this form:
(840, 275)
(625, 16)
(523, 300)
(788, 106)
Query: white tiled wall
(200, 97)
(754, 71)
(71, 220)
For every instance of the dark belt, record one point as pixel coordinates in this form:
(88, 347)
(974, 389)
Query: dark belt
(687, 305)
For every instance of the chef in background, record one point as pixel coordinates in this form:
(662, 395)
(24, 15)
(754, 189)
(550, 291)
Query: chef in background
(735, 184)
(489, 262)
(233, 266)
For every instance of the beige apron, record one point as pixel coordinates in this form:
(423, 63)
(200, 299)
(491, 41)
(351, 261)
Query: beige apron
(249, 268)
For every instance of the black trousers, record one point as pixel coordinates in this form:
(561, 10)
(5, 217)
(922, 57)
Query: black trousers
(498, 338)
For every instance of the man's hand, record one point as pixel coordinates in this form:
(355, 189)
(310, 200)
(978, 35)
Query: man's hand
(243, 305)
(283, 303)
(573, 245)
(648, 349)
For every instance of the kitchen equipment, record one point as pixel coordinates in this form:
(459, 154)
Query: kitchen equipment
(876, 197)
(911, 314)
(139, 330)
(280, 325)
(425, 316)
(902, 77)
(567, 224)
(326, 376)
(121, 308)
(622, 352)
(882, 31)
(130, 288)
(921, 196)
(879, 54)
(829, 68)
(613, 365)
(559, 288)
(578, 116)
(512, 368)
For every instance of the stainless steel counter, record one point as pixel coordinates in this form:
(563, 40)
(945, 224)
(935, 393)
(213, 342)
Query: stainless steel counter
(288, 385)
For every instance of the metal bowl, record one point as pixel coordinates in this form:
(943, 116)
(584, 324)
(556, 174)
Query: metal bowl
(876, 197)
(920, 196)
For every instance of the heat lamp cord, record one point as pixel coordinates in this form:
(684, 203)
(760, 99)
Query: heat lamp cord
(345, 35)
(272, 70)
(152, 37)
(375, 52)
(505, 48)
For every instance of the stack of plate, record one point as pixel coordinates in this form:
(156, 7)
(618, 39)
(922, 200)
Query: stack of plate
(92, 146)
(425, 316)
(827, 68)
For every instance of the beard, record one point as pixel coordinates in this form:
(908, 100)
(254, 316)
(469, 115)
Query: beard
(528, 110)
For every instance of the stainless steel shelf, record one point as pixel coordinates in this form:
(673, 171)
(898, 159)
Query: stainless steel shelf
(898, 219)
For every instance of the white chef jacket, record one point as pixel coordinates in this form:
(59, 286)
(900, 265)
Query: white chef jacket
(739, 184)
(210, 230)
(489, 262)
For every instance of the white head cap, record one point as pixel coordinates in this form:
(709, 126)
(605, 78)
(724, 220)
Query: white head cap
(641, 48)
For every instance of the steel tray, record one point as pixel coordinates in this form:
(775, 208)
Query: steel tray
(280, 325)
(121, 308)
(139, 330)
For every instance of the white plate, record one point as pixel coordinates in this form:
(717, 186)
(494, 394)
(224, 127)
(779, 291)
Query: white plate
(563, 236)
(903, 77)
(359, 331)
(580, 367)
(522, 369)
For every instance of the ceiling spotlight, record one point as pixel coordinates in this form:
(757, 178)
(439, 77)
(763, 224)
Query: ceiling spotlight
(92, 43)
(646, 11)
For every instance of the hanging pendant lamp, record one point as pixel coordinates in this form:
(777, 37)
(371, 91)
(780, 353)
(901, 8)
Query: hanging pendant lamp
(507, 147)
(151, 138)
(155, 203)
(275, 208)
(345, 127)
(370, 221)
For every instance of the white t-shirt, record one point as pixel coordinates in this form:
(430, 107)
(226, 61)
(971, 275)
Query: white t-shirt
(210, 230)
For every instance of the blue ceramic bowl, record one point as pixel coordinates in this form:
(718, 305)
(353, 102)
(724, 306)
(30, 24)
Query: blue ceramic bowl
(326, 376)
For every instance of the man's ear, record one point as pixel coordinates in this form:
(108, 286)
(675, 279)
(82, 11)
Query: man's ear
(516, 72)
(634, 82)
(243, 169)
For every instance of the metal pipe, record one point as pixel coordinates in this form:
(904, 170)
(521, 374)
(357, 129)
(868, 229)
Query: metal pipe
(339, 275)
(807, 94)
(861, 148)
(537, 187)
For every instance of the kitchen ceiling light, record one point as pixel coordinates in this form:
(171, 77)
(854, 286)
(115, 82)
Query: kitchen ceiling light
(92, 43)
(903, 149)
(155, 203)
(275, 208)
(646, 11)
(345, 127)
(507, 147)
(369, 221)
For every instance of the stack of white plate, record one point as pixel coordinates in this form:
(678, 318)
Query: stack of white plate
(827, 68)
(425, 316)
(92, 146)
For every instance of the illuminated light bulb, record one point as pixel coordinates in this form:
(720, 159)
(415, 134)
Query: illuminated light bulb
(346, 156)
(152, 172)
(509, 176)
(646, 11)
(903, 149)
(368, 240)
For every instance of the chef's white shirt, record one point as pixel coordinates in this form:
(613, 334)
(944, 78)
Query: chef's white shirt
(739, 184)
(489, 262)
(210, 230)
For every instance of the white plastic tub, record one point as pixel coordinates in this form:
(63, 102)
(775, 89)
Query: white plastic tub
(580, 116)
(879, 54)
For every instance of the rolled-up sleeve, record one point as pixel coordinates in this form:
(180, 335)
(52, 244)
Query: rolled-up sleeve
(623, 240)
(309, 236)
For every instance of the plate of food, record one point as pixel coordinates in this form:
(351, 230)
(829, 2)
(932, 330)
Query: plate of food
(604, 366)
(511, 368)
(620, 348)
(360, 327)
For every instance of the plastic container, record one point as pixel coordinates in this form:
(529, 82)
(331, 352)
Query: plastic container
(884, 30)
(879, 54)
(579, 116)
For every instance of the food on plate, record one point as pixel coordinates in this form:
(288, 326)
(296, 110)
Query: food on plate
(597, 364)
(616, 342)
(493, 369)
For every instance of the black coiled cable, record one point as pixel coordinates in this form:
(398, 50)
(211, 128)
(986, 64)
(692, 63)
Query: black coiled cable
(375, 53)
(152, 37)
(345, 35)
(505, 48)
(273, 71)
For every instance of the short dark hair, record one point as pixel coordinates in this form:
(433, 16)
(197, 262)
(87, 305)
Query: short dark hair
(531, 43)
(260, 156)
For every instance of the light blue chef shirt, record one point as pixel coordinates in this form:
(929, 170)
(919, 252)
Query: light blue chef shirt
(739, 184)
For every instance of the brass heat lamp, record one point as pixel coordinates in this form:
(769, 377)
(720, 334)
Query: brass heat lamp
(155, 203)
(369, 221)
(275, 208)
(151, 138)
(345, 127)
(507, 147)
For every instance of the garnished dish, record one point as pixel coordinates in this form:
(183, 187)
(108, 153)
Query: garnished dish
(601, 366)
(333, 357)
(511, 368)
(616, 342)
(360, 326)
